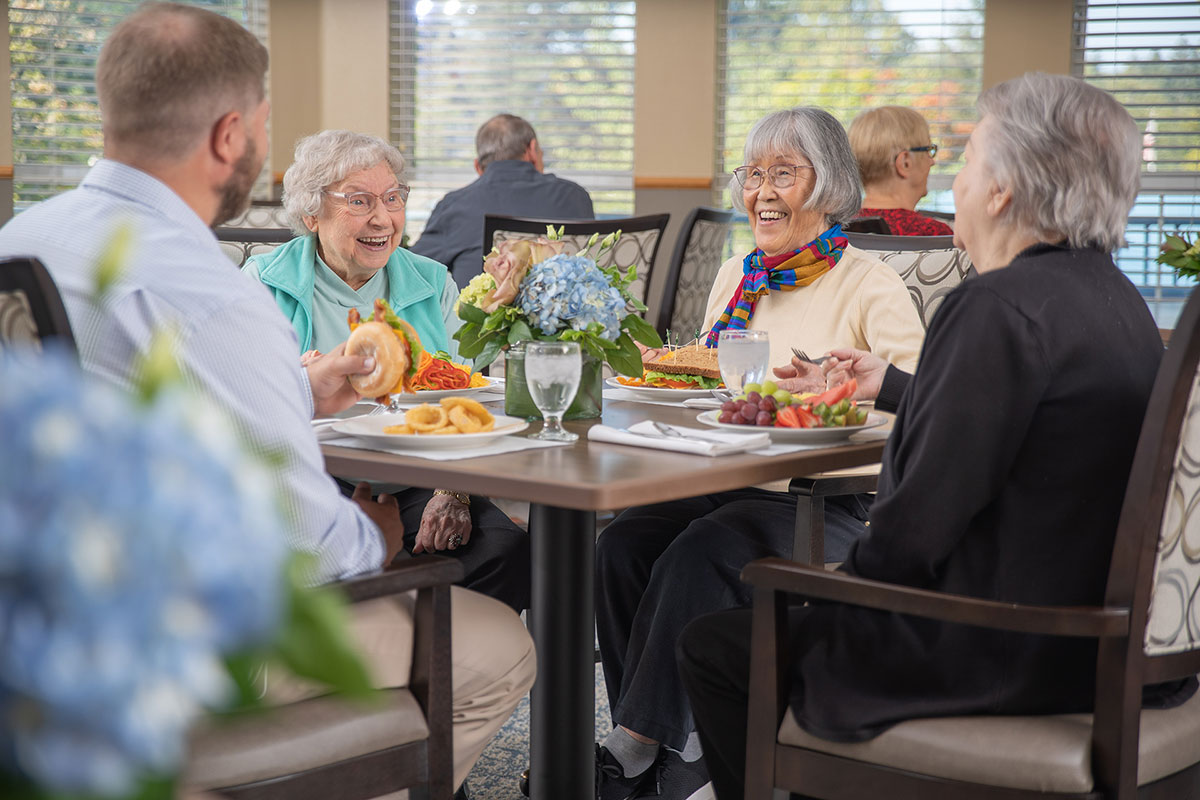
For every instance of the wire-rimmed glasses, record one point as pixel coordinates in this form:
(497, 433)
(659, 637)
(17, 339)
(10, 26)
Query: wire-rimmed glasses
(929, 149)
(780, 175)
(360, 204)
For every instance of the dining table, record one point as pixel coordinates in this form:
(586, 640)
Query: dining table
(566, 486)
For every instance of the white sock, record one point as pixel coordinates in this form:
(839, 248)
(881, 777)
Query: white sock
(691, 751)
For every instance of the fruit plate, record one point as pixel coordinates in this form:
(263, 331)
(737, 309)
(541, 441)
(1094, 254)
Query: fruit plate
(657, 392)
(370, 428)
(796, 435)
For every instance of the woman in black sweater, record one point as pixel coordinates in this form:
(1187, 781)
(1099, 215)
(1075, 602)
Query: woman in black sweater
(1004, 475)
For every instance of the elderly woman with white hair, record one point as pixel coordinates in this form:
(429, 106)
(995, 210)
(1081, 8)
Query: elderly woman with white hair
(660, 566)
(345, 197)
(1005, 472)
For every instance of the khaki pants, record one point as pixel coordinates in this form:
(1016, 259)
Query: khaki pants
(491, 652)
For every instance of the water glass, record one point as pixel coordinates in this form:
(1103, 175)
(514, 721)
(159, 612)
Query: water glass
(552, 372)
(743, 357)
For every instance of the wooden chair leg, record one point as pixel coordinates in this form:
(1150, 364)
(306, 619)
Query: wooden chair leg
(808, 544)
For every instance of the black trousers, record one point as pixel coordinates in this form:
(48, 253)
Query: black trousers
(496, 560)
(714, 664)
(659, 567)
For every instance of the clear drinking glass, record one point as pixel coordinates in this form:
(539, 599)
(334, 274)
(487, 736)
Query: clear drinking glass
(552, 372)
(743, 357)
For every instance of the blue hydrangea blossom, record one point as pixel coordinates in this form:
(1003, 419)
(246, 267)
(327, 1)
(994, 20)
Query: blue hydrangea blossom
(570, 291)
(138, 545)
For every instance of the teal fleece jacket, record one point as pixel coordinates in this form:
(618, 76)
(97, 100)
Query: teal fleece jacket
(415, 288)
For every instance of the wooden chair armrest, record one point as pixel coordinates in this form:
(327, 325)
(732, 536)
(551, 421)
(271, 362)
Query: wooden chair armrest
(814, 582)
(833, 485)
(416, 573)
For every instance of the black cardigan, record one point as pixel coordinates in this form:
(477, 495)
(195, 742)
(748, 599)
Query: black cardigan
(1003, 479)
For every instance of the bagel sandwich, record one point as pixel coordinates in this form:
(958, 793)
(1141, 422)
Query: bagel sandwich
(395, 346)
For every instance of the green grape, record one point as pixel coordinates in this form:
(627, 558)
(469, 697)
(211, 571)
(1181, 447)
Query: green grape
(768, 387)
(782, 397)
(752, 387)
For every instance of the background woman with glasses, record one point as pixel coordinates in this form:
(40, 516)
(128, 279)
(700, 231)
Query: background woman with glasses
(894, 158)
(344, 195)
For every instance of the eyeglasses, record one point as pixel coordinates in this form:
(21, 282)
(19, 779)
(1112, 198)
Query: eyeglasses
(931, 149)
(360, 204)
(781, 175)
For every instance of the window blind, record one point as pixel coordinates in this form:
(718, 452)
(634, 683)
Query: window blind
(1147, 54)
(53, 46)
(566, 67)
(847, 56)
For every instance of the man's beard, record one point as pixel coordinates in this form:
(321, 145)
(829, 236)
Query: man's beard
(235, 192)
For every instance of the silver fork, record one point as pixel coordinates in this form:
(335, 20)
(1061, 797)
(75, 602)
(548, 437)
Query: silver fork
(803, 356)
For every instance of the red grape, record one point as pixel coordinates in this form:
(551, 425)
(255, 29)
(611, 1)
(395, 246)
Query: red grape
(749, 412)
(763, 418)
(726, 417)
(767, 403)
(753, 397)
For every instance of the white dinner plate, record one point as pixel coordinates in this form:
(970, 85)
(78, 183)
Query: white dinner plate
(796, 435)
(658, 393)
(371, 427)
(433, 395)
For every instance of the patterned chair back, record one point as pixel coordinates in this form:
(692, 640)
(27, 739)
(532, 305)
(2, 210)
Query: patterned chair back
(241, 243)
(1173, 619)
(31, 309)
(699, 251)
(931, 266)
(640, 237)
(261, 214)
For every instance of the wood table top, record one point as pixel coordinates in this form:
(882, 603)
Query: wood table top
(593, 476)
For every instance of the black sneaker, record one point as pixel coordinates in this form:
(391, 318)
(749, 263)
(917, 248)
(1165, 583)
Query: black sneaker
(678, 779)
(611, 783)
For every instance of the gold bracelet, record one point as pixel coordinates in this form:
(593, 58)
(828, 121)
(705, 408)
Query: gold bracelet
(461, 497)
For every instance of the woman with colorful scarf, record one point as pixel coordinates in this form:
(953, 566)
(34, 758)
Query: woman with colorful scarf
(660, 566)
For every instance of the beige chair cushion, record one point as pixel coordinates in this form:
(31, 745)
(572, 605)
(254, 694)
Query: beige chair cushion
(299, 736)
(1046, 753)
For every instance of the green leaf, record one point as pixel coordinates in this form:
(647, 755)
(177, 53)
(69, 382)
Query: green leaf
(519, 332)
(489, 353)
(315, 641)
(627, 360)
(642, 331)
(112, 261)
(1174, 243)
(495, 321)
(157, 368)
(471, 313)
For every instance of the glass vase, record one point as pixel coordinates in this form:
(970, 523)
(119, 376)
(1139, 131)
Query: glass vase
(588, 401)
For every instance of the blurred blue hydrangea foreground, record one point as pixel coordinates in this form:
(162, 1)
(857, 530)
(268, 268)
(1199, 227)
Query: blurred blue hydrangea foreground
(138, 546)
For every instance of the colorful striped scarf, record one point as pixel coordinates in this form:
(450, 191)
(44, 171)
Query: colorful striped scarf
(785, 272)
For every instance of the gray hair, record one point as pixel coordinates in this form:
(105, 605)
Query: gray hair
(322, 160)
(504, 137)
(815, 135)
(1070, 154)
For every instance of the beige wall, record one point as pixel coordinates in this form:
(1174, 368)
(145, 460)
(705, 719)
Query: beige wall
(1021, 36)
(6, 146)
(313, 84)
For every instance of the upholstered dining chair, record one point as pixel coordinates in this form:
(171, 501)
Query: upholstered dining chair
(867, 225)
(1146, 631)
(699, 251)
(261, 214)
(640, 238)
(931, 266)
(31, 309)
(328, 747)
(241, 243)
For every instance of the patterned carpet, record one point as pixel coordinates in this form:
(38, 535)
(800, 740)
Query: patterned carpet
(496, 774)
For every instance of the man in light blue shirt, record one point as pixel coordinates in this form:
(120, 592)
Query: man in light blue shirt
(184, 119)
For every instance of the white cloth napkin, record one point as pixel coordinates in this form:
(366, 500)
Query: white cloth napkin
(700, 442)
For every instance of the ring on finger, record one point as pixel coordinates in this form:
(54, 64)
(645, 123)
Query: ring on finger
(454, 541)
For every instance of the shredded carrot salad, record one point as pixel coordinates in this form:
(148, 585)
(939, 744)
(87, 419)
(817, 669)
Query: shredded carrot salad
(436, 373)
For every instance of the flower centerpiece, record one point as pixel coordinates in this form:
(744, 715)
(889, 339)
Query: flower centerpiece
(1182, 256)
(536, 291)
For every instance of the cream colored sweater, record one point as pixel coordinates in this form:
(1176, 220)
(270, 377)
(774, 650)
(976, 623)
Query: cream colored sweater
(860, 303)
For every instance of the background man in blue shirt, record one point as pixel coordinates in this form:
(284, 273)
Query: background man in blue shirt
(512, 182)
